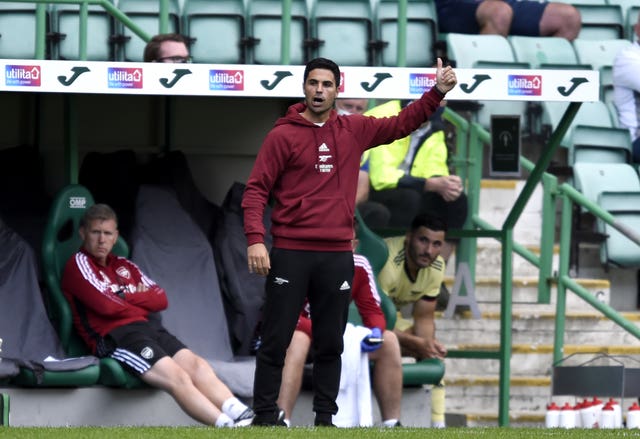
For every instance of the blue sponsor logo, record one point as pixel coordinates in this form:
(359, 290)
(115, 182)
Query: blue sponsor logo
(230, 80)
(22, 76)
(421, 82)
(525, 85)
(121, 77)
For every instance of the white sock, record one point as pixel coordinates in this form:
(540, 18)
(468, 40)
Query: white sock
(390, 423)
(233, 407)
(288, 422)
(224, 421)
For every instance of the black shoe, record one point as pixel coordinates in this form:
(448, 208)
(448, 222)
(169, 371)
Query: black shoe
(245, 419)
(274, 419)
(323, 420)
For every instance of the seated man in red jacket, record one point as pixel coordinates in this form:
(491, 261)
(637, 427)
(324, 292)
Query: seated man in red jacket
(387, 374)
(111, 300)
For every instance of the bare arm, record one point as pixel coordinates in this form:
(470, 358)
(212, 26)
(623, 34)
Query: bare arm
(421, 342)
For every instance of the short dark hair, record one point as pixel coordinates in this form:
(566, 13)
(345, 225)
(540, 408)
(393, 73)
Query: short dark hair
(322, 63)
(152, 49)
(430, 222)
(101, 212)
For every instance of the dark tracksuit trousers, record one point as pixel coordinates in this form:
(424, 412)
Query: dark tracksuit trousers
(325, 278)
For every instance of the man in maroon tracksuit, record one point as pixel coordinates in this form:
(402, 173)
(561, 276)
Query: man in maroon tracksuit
(309, 163)
(111, 299)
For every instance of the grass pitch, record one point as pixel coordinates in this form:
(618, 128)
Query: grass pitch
(306, 433)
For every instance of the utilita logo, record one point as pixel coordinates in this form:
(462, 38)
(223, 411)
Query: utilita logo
(421, 82)
(230, 80)
(23, 76)
(525, 85)
(121, 77)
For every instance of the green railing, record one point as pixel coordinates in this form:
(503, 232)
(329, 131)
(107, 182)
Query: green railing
(468, 162)
(476, 227)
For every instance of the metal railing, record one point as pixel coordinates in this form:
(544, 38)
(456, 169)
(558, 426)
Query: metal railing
(477, 227)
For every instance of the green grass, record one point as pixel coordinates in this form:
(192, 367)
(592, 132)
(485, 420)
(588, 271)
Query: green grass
(305, 433)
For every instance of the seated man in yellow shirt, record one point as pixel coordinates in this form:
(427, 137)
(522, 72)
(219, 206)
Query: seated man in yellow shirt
(411, 277)
(411, 175)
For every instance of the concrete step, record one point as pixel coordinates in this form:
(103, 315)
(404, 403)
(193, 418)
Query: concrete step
(534, 325)
(524, 290)
(497, 198)
(532, 359)
(489, 260)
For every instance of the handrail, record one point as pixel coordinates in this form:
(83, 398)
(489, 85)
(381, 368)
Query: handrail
(478, 136)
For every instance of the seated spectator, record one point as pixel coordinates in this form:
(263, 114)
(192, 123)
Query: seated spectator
(111, 300)
(374, 214)
(411, 175)
(412, 277)
(626, 90)
(387, 378)
(167, 48)
(509, 17)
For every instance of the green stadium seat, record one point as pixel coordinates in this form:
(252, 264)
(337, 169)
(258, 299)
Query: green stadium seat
(422, 31)
(216, 29)
(590, 114)
(146, 15)
(618, 250)
(66, 27)
(489, 51)
(630, 10)
(594, 178)
(598, 53)
(18, 30)
(342, 30)
(600, 145)
(601, 21)
(60, 242)
(600, 56)
(544, 52)
(429, 371)
(265, 29)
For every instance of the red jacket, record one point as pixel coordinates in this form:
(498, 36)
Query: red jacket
(106, 296)
(363, 291)
(312, 173)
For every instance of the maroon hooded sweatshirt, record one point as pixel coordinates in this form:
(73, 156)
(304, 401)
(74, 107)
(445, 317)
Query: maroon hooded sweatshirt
(312, 173)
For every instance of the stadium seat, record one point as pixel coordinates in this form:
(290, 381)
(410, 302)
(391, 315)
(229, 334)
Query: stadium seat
(617, 249)
(600, 145)
(428, 371)
(600, 21)
(342, 30)
(598, 53)
(60, 242)
(594, 178)
(471, 51)
(146, 15)
(422, 31)
(66, 27)
(590, 113)
(630, 10)
(264, 27)
(18, 30)
(600, 56)
(216, 30)
(544, 52)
